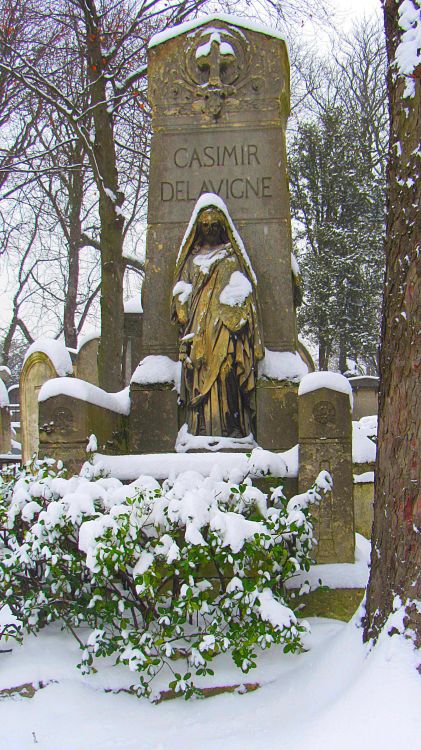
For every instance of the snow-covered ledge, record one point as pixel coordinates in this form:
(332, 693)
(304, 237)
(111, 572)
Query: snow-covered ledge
(282, 366)
(84, 391)
(157, 368)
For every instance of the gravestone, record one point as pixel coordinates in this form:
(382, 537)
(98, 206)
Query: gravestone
(45, 359)
(325, 443)
(219, 93)
(366, 395)
(86, 361)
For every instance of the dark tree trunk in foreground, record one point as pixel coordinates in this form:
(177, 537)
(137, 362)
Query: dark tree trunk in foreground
(396, 552)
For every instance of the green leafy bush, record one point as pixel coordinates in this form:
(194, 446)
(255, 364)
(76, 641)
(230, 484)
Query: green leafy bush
(163, 575)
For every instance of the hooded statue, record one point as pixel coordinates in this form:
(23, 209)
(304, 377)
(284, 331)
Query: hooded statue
(215, 304)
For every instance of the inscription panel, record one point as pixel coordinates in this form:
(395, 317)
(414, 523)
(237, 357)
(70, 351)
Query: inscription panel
(241, 166)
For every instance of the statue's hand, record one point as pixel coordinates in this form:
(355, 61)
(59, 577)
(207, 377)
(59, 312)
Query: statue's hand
(185, 360)
(188, 363)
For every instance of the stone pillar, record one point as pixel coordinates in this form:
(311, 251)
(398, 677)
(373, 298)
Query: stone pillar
(218, 124)
(133, 323)
(277, 414)
(325, 439)
(154, 418)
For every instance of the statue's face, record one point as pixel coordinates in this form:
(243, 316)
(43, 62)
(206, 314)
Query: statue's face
(210, 225)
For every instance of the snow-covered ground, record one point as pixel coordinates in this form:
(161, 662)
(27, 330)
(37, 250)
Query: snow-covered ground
(337, 695)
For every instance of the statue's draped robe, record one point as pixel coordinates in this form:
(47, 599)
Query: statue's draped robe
(223, 345)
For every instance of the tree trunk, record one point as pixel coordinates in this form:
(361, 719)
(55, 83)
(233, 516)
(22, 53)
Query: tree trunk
(75, 234)
(323, 354)
(396, 550)
(342, 354)
(112, 223)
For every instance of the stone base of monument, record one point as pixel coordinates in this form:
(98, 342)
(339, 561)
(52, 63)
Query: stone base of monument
(154, 418)
(277, 414)
(66, 424)
(339, 604)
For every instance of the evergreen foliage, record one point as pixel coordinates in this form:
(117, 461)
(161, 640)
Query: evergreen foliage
(182, 571)
(337, 167)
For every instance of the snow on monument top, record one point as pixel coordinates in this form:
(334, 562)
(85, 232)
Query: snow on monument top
(182, 28)
(333, 380)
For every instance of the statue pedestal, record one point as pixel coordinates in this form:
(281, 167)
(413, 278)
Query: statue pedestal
(277, 414)
(153, 418)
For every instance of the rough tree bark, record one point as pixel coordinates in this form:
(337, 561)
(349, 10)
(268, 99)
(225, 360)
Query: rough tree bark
(396, 550)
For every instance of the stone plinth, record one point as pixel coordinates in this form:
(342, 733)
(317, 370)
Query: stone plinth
(154, 419)
(325, 439)
(277, 414)
(66, 424)
(219, 126)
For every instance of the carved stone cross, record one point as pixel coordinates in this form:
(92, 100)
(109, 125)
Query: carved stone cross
(214, 55)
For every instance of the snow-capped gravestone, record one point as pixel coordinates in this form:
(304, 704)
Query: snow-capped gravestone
(45, 359)
(219, 92)
(325, 429)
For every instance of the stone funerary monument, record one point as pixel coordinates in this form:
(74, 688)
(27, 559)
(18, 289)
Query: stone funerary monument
(220, 362)
(220, 101)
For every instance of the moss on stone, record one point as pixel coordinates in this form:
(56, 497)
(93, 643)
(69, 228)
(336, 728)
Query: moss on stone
(340, 604)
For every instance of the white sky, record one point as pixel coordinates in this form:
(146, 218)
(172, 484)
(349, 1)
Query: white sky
(345, 13)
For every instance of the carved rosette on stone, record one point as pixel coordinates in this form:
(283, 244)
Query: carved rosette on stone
(325, 440)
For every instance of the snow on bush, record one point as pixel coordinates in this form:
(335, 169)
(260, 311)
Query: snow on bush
(166, 576)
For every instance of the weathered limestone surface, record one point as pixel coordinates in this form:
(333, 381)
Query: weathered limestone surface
(66, 424)
(37, 369)
(154, 418)
(86, 361)
(339, 604)
(325, 438)
(133, 324)
(277, 414)
(219, 126)
(5, 434)
(366, 396)
(363, 507)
